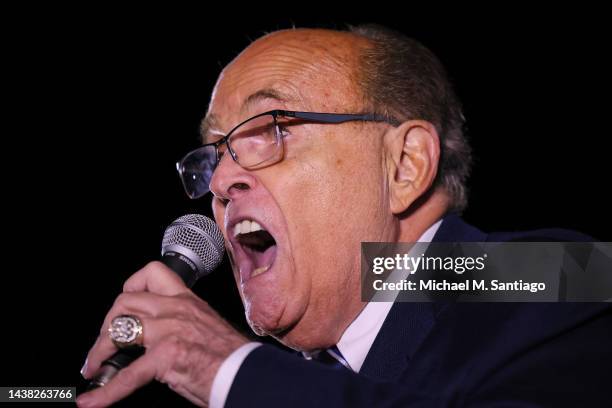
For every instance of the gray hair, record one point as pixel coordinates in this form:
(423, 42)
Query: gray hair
(402, 79)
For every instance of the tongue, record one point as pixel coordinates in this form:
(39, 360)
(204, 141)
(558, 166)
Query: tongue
(261, 259)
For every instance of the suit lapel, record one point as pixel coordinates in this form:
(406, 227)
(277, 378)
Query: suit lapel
(404, 329)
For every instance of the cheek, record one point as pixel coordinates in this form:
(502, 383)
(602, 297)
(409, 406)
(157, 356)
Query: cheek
(335, 191)
(332, 202)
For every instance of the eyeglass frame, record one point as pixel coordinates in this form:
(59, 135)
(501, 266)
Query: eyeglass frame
(320, 117)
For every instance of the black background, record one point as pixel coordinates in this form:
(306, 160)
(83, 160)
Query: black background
(103, 102)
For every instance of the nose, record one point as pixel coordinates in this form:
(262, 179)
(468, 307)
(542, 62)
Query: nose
(230, 180)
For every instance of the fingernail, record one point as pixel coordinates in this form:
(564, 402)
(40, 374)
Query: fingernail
(84, 401)
(84, 369)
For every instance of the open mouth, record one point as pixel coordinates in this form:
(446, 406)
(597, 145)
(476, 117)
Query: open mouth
(257, 248)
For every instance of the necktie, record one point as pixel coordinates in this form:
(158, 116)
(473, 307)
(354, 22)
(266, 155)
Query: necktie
(332, 358)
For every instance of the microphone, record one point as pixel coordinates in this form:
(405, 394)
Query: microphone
(193, 246)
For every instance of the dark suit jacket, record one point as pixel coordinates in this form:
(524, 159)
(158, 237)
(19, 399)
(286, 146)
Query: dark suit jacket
(454, 354)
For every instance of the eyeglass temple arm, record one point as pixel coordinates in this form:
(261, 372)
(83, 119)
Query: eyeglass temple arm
(337, 117)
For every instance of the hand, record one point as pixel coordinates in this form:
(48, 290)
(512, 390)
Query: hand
(185, 339)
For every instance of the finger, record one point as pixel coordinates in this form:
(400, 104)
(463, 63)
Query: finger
(102, 349)
(157, 278)
(139, 304)
(100, 352)
(127, 380)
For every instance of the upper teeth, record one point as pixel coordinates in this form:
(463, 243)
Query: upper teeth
(246, 226)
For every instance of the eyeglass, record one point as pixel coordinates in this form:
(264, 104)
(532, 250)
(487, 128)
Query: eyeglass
(254, 143)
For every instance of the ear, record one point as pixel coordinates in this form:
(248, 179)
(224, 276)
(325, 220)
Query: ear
(412, 153)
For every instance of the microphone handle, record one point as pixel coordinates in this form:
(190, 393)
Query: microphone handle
(111, 366)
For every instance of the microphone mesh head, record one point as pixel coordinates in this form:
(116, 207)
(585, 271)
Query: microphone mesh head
(200, 235)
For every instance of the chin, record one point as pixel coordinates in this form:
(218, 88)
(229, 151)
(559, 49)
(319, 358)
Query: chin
(270, 314)
(264, 319)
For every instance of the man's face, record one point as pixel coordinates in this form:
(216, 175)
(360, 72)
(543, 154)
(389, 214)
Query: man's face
(318, 203)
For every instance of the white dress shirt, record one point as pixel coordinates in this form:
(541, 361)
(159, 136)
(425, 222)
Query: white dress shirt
(354, 344)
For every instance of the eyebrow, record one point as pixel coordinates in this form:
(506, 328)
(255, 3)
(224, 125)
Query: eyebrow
(210, 122)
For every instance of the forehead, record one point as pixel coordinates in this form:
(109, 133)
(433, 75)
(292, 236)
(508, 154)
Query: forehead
(293, 69)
